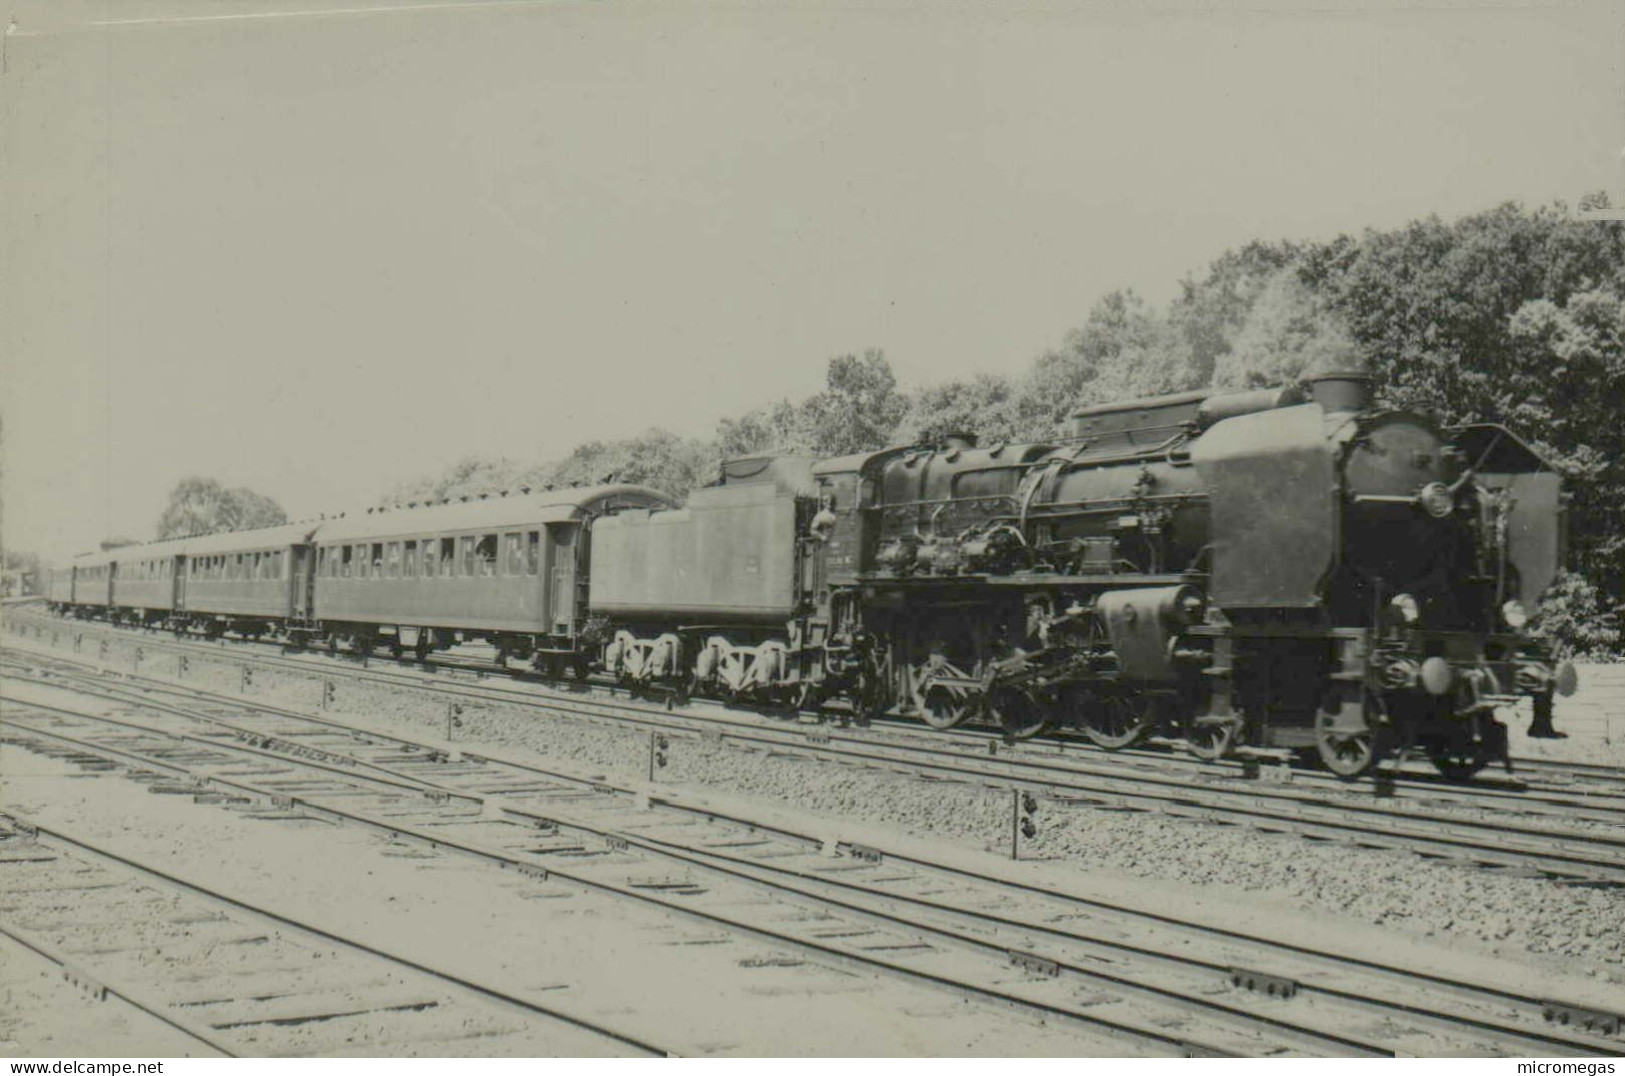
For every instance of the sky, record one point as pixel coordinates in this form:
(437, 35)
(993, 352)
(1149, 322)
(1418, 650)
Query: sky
(316, 248)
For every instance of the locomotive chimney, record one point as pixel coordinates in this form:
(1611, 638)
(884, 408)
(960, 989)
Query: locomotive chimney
(1343, 384)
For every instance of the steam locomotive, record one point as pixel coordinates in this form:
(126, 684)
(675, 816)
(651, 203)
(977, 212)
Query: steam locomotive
(1288, 569)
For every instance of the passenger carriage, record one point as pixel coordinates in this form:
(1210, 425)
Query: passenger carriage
(93, 584)
(146, 580)
(59, 588)
(509, 569)
(251, 582)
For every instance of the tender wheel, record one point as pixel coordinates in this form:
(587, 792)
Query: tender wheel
(942, 708)
(1346, 752)
(1115, 721)
(1020, 715)
(1212, 741)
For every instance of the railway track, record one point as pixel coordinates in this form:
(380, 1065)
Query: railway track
(1570, 787)
(120, 927)
(864, 894)
(1570, 841)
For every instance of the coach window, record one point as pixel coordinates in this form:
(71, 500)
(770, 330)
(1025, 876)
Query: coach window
(516, 554)
(487, 550)
(465, 546)
(392, 557)
(428, 557)
(409, 558)
(347, 559)
(533, 552)
(377, 570)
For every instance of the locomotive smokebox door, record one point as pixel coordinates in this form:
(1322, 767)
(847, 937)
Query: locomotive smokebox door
(1273, 484)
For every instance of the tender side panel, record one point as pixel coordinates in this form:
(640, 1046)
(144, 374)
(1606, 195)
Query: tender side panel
(730, 555)
(1273, 489)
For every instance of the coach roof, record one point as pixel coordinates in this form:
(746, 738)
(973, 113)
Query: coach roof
(490, 513)
(277, 537)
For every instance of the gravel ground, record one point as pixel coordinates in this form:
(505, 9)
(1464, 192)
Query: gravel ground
(1582, 928)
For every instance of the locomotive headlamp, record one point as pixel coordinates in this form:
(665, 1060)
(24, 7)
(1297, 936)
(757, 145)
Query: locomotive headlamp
(1436, 500)
(1514, 614)
(1408, 607)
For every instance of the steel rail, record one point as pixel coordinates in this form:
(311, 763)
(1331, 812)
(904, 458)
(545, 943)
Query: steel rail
(1558, 853)
(523, 864)
(512, 1000)
(102, 984)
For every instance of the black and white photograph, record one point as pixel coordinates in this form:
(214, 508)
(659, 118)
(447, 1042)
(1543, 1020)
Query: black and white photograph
(778, 529)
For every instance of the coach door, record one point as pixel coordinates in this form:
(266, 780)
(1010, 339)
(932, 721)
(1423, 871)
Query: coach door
(303, 581)
(562, 601)
(177, 571)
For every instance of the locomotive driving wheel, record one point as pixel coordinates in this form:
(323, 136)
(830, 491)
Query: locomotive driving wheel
(1115, 721)
(1461, 758)
(941, 708)
(1021, 716)
(1347, 752)
(1212, 738)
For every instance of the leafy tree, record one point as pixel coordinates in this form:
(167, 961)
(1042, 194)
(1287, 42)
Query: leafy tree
(858, 410)
(860, 407)
(1288, 332)
(470, 475)
(1211, 310)
(202, 506)
(776, 427)
(1123, 350)
(657, 458)
(986, 405)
